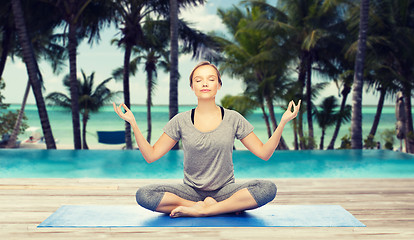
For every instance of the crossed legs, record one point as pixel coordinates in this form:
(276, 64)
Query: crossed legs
(181, 200)
(239, 201)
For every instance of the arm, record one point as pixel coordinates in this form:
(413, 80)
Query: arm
(265, 151)
(150, 153)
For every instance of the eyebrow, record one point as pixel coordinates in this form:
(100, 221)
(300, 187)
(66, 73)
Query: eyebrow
(212, 75)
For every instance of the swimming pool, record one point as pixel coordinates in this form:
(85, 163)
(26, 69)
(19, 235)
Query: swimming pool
(130, 164)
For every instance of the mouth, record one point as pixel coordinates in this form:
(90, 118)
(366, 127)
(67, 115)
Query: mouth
(205, 90)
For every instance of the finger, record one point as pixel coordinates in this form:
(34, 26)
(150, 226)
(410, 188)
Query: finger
(290, 106)
(298, 106)
(120, 109)
(125, 107)
(116, 108)
(294, 105)
(114, 105)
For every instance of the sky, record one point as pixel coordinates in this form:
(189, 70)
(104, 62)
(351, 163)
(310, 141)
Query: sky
(102, 58)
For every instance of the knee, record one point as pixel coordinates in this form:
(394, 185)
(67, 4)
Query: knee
(140, 195)
(264, 192)
(269, 187)
(147, 197)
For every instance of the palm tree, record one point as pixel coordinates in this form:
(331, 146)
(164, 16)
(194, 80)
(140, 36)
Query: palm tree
(313, 33)
(382, 82)
(327, 116)
(343, 78)
(33, 72)
(316, 25)
(377, 59)
(346, 89)
(252, 93)
(132, 14)
(154, 54)
(260, 64)
(242, 104)
(40, 28)
(377, 77)
(91, 98)
(6, 28)
(291, 94)
(175, 6)
(20, 116)
(40, 24)
(151, 60)
(7, 119)
(83, 18)
(174, 74)
(356, 125)
(393, 26)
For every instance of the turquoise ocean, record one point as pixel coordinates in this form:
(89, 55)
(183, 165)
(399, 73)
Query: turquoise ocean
(107, 120)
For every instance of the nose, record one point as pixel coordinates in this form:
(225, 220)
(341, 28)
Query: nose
(205, 83)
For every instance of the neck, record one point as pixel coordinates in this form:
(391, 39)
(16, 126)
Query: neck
(205, 106)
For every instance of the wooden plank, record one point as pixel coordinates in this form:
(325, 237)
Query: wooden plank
(55, 187)
(386, 206)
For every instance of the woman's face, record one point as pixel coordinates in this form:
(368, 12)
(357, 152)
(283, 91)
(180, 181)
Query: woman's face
(205, 82)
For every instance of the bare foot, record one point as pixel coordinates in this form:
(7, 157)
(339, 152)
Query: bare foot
(195, 211)
(185, 212)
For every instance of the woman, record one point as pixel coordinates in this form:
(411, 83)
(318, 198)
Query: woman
(207, 133)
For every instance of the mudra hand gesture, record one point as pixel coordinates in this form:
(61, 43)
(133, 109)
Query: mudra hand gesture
(289, 115)
(127, 116)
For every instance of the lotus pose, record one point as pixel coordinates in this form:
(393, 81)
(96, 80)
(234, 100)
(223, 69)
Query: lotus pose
(207, 134)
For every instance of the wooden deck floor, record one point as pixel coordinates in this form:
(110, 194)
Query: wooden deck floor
(386, 206)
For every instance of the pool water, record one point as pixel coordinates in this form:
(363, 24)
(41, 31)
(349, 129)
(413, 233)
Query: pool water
(130, 164)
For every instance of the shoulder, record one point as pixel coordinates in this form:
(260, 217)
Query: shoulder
(176, 124)
(181, 115)
(232, 114)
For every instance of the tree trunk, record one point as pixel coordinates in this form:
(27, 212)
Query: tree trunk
(301, 80)
(377, 114)
(12, 141)
(300, 130)
(266, 119)
(5, 49)
(409, 136)
(345, 93)
(74, 92)
(174, 75)
(32, 70)
(85, 118)
(295, 133)
(356, 124)
(127, 102)
(149, 104)
(322, 139)
(282, 144)
(270, 107)
(309, 98)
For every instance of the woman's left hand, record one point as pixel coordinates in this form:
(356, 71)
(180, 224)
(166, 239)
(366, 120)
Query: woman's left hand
(289, 115)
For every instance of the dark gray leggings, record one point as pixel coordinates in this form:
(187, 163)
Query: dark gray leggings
(149, 197)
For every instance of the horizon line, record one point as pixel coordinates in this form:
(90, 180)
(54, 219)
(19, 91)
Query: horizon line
(188, 105)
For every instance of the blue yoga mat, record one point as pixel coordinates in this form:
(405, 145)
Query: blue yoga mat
(92, 216)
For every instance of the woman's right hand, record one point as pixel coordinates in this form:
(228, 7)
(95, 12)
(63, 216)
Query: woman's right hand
(127, 116)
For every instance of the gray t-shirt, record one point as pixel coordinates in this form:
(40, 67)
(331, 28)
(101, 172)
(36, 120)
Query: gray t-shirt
(208, 163)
